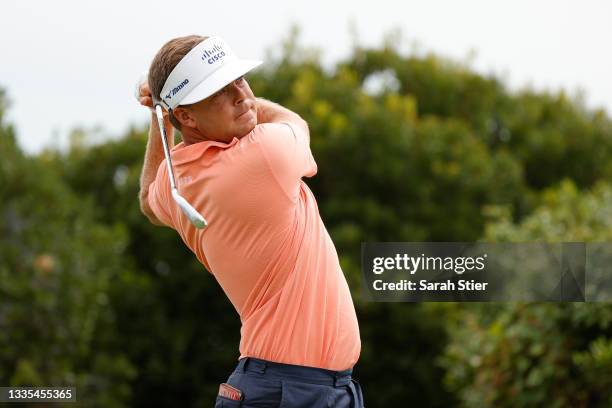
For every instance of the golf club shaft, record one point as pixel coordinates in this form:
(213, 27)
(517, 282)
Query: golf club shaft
(162, 129)
(194, 216)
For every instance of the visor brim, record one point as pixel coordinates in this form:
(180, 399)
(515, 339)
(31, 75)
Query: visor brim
(225, 75)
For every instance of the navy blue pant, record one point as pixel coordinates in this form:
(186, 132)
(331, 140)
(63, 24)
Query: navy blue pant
(268, 384)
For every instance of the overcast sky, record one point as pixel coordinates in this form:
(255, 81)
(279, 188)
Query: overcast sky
(73, 63)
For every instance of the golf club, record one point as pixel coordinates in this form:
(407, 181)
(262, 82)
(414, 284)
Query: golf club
(196, 219)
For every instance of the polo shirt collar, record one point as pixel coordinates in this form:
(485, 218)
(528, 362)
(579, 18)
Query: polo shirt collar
(182, 153)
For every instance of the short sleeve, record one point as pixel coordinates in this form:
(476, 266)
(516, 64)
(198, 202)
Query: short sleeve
(287, 151)
(159, 195)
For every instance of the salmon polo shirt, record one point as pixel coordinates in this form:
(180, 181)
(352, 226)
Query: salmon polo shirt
(265, 244)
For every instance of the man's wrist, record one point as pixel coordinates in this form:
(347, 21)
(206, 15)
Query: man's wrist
(268, 111)
(262, 110)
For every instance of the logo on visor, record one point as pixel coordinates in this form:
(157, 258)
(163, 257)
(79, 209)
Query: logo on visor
(214, 54)
(177, 88)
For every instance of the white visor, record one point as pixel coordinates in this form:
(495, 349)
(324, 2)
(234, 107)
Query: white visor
(207, 68)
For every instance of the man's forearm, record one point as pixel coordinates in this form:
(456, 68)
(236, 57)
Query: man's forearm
(154, 155)
(269, 112)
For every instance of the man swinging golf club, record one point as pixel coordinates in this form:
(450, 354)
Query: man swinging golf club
(233, 192)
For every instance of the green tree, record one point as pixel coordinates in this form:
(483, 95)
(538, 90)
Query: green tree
(56, 266)
(530, 355)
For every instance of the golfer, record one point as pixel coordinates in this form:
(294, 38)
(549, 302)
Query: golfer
(240, 165)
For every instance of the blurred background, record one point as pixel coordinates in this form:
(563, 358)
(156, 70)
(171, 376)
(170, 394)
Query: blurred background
(430, 122)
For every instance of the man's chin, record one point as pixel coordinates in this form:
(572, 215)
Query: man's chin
(248, 128)
(246, 131)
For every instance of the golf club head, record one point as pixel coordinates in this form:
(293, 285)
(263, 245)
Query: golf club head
(196, 219)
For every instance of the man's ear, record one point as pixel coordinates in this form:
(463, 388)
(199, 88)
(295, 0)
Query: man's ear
(185, 116)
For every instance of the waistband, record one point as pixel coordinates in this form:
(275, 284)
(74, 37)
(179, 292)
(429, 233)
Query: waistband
(312, 375)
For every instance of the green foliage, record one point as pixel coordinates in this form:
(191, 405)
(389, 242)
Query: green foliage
(56, 266)
(533, 355)
(565, 214)
(530, 355)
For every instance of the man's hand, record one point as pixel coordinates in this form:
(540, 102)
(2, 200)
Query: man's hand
(143, 92)
(144, 97)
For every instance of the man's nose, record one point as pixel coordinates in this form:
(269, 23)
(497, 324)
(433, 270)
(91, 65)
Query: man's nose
(238, 92)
